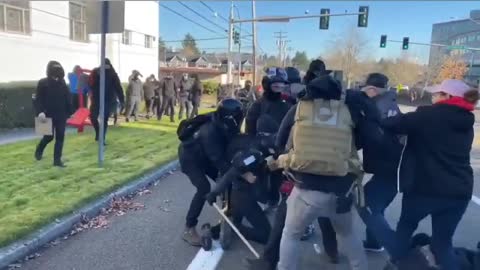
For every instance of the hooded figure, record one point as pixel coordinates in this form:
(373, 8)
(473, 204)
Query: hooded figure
(135, 94)
(53, 100)
(169, 91)
(113, 92)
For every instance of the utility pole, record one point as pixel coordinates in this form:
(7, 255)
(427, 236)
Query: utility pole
(230, 45)
(281, 44)
(286, 49)
(254, 45)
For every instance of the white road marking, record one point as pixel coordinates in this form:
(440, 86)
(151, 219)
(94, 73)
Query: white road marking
(476, 200)
(207, 260)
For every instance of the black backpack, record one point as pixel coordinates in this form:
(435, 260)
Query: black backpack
(187, 128)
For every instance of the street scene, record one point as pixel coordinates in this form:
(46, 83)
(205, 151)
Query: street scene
(257, 135)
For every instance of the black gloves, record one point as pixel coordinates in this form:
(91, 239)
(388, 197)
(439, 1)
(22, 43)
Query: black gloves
(211, 197)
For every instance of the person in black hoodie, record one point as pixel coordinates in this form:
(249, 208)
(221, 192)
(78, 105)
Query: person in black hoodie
(53, 100)
(169, 91)
(435, 174)
(204, 155)
(324, 194)
(113, 91)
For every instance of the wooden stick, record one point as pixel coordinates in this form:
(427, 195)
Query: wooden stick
(235, 229)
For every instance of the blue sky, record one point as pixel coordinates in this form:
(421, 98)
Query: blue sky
(396, 19)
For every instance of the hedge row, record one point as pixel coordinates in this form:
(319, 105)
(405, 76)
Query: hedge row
(16, 106)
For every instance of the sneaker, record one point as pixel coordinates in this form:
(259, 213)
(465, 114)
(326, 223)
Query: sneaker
(206, 237)
(38, 156)
(309, 231)
(333, 259)
(59, 164)
(372, 248)
(191, 236)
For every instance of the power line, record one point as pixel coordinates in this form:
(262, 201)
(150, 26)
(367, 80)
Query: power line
(200, 39)
(223, 18)
(203, 17)
(188, 19)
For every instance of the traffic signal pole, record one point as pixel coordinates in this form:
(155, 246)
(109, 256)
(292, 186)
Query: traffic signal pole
(435, 45)
(230, 46)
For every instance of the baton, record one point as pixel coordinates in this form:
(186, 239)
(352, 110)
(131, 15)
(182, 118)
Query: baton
(235, 229)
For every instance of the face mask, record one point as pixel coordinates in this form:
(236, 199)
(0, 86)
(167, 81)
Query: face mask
(278, 87)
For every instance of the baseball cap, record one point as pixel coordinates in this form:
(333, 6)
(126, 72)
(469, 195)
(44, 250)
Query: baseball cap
(456, 88)
(379, 80)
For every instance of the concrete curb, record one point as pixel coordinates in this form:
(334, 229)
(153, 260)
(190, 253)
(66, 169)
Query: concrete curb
(22, 248)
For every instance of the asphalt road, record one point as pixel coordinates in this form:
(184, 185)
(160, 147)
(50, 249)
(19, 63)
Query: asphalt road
(150, 239)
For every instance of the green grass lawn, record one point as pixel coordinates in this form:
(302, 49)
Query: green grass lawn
(33, 194)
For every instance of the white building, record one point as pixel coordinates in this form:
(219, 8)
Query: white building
(35, 32)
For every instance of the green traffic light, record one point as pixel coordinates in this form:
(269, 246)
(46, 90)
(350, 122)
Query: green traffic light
(383, 45)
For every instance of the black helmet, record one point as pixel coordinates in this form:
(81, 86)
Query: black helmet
(230, 113)
(293, 75)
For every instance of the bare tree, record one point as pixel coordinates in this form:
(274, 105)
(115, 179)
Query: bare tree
(346, 54)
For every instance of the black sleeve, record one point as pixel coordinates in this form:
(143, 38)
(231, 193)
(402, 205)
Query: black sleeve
(285, 128)
(251, 120)
(40, 97)
(68, 100)
(118, 88)
(214, 146)
(404, 123)
(222, 184)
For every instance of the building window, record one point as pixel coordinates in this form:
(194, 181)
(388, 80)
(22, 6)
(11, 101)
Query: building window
(78, 24)
(15, 16)
(127, 37)
(149, 41)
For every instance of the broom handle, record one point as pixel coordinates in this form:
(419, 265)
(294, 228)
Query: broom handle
(235, 229)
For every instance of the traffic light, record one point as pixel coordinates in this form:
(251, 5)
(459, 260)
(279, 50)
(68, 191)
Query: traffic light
(363, 17)
(383, 41)
(406, 40)
(236, 37)
(324, 20)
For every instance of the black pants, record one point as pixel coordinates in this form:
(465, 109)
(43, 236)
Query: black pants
(271, 253)
(195, 106)
(244, 205)
(58, 126)
(149, 105)
(197, 171)
(157, 105)
(167, 104)
(95, 112)
(186, 106)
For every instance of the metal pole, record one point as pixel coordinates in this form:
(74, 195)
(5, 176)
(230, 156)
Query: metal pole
(239, 55)
(287, 18)
(101, 116)
(229, 61)
(254, 45)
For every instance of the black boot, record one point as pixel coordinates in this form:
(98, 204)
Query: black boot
(38, 155)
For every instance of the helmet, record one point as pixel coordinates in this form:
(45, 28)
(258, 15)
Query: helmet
(293, 75)
(277, 74)
(230, 113)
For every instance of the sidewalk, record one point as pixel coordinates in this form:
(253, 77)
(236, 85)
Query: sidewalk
(25, 134)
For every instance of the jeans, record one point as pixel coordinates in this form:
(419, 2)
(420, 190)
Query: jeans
(58, 126)
(303, 206)
(167, 104)
(133, 107)
(185, 105)
(149, 106)
(446, 214)
(272, 248)
(379, 194)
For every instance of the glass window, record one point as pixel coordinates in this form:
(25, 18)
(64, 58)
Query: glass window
(149, 41)
(15, 16)
(78, 24)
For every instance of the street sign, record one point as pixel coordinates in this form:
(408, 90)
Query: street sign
(116, 17)
(456, 47)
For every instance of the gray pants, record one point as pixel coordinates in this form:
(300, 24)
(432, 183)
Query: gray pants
(304, 206)
(133, 106)
(185, 105)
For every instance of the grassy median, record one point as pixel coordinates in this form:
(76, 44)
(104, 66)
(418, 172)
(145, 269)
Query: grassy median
(33, 194)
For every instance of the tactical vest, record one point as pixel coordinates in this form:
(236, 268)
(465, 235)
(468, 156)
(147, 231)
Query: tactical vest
(322, 139)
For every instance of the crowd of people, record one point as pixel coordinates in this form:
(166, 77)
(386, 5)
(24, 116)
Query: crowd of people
(299, 155)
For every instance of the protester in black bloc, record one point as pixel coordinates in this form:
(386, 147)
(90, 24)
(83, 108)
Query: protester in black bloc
(113, 91)
(435, 174)
(149, 89)
(169, 92)
(382, 158)
(202, 154)
(322, 190)
(184, 97)
(135, 95)
(53, 100)
(196, 95)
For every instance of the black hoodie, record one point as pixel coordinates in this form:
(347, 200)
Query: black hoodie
(436, 160)
(113, 87)
(53, 96)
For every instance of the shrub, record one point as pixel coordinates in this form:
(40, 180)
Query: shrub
(209, 87)
(16, 106)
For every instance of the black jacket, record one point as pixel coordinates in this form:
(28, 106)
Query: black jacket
(436, 160)
(53, 96)
(276, 109)
(383, 154)
(113, 88)
(169, 87)
(362, 111)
